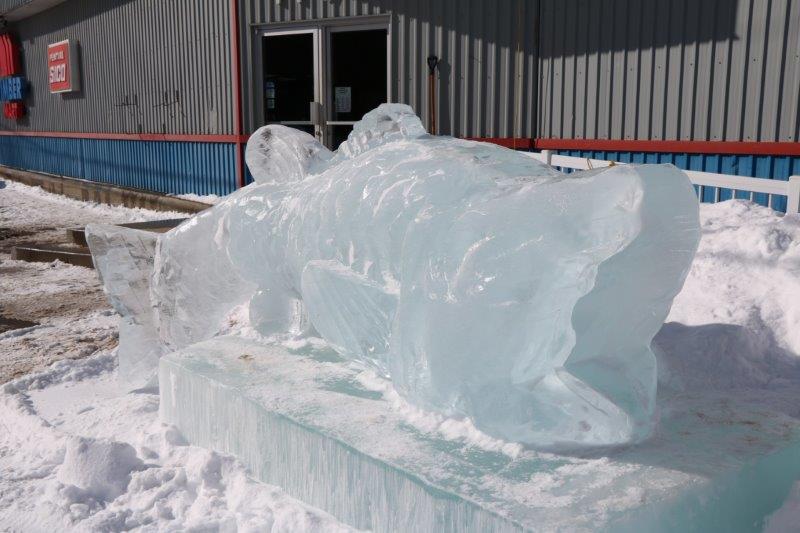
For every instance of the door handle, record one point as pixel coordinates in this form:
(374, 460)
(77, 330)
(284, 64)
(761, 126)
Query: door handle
(315, 112)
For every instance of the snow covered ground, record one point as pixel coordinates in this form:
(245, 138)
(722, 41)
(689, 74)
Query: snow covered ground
(210, 199)
(69, 313)
(77, 454)
(27, 211)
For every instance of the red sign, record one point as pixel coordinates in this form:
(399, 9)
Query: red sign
(62, 67)
(10, 67)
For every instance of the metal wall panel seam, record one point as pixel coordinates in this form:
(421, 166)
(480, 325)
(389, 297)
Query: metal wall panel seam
(775, 61)
(618, 69)
(753, 101)
(790, 118)
(688, 88)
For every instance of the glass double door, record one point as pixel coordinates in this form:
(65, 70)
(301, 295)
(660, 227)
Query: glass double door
(322, 80)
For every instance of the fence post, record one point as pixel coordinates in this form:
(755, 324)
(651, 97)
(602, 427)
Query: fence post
(548, 156)
(793, 195)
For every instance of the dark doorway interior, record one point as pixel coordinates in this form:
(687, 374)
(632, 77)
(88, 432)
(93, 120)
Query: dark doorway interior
(289, 79)
(358, 77)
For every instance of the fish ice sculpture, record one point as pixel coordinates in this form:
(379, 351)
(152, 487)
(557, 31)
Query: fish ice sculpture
(482, 282)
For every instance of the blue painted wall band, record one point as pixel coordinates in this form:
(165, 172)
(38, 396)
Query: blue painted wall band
(171, 167)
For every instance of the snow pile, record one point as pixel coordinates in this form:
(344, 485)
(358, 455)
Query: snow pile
(33, 207)
(100, 468)
(736, 323)
(77, 455)
(209, 199)
(735, 326)
(753, 269)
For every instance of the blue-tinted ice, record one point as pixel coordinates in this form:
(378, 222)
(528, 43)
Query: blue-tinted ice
(483, 282)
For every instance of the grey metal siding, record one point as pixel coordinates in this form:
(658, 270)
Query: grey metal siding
(705, 70)
(20, 9)
(147, 66)
(486, 82)
(9, 5)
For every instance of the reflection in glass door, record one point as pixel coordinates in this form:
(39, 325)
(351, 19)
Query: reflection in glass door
(357, 78)
(290, 68)
(344, 67)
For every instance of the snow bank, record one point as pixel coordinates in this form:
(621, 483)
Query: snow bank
(736, 323)
(24, 204)
(209, 199)
(99, 467)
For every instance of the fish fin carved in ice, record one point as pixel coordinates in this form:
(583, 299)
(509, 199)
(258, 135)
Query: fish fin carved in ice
(348, 309)
(123, 258)
(384, 124)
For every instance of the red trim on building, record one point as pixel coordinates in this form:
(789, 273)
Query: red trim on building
(237, 91)
(517, 143)
(129, 136)
(681, 147)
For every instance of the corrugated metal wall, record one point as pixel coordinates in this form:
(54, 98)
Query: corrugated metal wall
(8, 5)
(716, 70)
(20, 9)
(486, 80)
(163, 166)
(148, 66)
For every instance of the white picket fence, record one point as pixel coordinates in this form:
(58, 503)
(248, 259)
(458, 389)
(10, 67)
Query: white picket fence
(790, 189)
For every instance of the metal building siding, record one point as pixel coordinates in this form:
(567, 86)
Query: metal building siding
(168, 167)
(708, 70)
(147, 66)
(8, 5)
(486, 88)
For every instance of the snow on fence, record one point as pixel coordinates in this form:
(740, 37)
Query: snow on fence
(790, 189)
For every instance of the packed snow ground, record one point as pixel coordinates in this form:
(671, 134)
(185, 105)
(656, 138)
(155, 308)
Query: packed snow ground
(78, 454)
(209, 199)
(65, 303)
(30, 211)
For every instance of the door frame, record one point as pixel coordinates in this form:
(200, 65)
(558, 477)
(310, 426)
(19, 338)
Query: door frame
(328, 103)
(315, 35)
(321, 30)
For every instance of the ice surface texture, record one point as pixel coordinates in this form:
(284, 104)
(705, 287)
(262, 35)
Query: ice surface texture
(484, 283)
(123, 258)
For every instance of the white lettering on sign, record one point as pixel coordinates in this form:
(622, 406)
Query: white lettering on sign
(58, 73)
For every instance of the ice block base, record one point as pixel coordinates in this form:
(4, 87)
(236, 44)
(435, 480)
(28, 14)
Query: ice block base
(302, 420)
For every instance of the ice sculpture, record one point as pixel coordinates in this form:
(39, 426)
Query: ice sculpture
(123, 258)
(483, 282)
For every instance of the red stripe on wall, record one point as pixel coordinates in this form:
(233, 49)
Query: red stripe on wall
(129, 136)
(517, 143)
(610, 145)
(681, 147)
